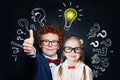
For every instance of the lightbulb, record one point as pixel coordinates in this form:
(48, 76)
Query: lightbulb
(70, 14)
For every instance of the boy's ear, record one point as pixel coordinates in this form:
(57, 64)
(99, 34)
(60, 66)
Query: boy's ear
(40, 46)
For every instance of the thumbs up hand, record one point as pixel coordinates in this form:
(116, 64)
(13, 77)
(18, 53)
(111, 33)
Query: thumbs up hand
(28, 43)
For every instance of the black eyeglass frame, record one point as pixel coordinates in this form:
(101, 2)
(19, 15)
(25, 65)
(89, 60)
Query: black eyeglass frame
(52, 42)
(72, 49)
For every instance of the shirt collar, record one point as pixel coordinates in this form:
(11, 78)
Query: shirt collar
(54, 57)
(78, 64)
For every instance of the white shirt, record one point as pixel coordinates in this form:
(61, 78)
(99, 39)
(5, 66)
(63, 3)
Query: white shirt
(73, 74)
(52, 65)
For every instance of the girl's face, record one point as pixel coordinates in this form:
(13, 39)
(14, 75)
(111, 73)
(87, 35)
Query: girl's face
(50, 44)
(72, 50)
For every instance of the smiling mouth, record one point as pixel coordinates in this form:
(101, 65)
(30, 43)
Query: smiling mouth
(72, 56)
(50, 49)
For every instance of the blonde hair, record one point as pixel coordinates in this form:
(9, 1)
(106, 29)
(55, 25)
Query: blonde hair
(81, 45)
(81, 57)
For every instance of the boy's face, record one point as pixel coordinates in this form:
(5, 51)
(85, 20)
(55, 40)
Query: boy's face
(50, 44)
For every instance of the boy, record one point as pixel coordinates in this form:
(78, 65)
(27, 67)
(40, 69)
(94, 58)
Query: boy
(50, 38)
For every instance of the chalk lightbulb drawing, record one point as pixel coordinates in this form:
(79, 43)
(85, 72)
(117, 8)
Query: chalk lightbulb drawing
(70, 14)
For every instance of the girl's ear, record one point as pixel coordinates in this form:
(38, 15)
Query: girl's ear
(58, 48)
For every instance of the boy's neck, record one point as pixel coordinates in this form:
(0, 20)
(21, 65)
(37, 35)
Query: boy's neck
(55, 56)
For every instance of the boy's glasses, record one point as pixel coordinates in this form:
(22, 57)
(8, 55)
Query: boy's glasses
(47, 42)
(69, 49)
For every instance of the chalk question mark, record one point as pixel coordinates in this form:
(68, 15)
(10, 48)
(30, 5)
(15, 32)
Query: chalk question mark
(107, 43)
(38, 15)
(93, 30)
(23, 22)
(95, 44)
(103, 34)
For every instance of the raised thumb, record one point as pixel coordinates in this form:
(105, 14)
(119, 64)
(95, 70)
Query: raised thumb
(31, 33)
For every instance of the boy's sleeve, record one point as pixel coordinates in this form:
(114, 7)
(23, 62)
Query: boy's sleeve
(32, 55)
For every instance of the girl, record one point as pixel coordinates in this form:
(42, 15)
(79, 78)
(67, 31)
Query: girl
(73, 67)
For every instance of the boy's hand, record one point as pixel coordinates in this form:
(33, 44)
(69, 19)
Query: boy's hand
(28, 43)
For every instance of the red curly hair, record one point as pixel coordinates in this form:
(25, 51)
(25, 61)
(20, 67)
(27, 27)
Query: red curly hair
(50, 28)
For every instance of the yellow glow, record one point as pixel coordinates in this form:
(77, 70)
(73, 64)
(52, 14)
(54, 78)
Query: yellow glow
(70, 14)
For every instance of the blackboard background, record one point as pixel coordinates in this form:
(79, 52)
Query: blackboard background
(11, 11)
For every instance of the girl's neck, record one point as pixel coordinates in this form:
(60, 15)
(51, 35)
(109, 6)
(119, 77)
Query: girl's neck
(73, 63)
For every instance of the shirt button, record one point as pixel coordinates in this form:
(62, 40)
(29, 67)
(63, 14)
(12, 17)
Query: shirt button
(50, 66)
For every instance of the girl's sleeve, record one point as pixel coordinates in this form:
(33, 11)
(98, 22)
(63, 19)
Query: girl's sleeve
(89, 73)
(55, 76)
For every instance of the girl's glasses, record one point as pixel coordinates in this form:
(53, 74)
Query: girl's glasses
(69, 49)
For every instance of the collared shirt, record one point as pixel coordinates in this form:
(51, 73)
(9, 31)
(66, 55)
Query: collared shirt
(52, 65)
(73, 74)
